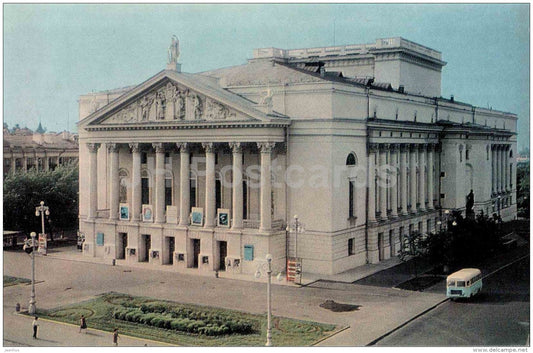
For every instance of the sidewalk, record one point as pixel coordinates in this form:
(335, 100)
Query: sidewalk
(51, 333)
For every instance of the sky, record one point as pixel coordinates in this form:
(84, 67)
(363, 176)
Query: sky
(53, 53)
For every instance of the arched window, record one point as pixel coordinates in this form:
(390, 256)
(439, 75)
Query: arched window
(193, 188)
(145, 187)
(123, 186)
(511, 154)
(168, 188)
(351, 159)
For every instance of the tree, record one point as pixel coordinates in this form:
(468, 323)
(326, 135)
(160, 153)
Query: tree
(464, 243)
(522, 192)
(58, 189)
(412, 248)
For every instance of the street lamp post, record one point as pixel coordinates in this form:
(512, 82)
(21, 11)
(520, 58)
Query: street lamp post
(269, 298)
(31, 308)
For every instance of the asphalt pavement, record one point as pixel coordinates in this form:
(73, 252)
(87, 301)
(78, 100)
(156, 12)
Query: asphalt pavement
(65, 277)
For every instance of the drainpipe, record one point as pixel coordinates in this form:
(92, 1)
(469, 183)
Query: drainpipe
(287, 216)
(367, 176)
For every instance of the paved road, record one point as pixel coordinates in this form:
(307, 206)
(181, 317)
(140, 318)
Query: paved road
(497, 317)
(63, 282)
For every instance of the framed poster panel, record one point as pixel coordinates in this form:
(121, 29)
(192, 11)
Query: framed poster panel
(124, 212)
(148, 213)
(197, 216)
(223, 217)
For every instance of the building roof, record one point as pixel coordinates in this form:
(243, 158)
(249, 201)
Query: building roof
(47, 140)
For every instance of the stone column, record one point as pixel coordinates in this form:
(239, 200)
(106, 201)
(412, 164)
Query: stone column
(237, 206)
(506, 169)
(383, 148)
(114, 182)
(412, 176)
(372, 150)
(493, 157)
(136, 190)
(394, 148)
(422, 176)
(503, 168)
(159, 209)
(93, 179)
(498, 169)
(185, 183)
(431, 175)
(266, 185)
(210, 190)
(46, 162)
(404, 148)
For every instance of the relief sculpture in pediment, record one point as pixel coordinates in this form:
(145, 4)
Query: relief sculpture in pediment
(170, 103)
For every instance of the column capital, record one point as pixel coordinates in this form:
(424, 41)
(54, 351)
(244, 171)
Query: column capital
(93, 147)
(158, 147)
(507, 147)
(423, 147)
(404, 147)
(384, 147)
(266, 147)
(135, 147)
(394, 147)
(236, 147)
(183, 146)
(112, 147)
(373, 147)
(431, 147)
(209, 147)
(413, 147)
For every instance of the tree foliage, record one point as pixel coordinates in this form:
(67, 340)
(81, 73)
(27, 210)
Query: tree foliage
(522, 192)
(59, 191)
(464, 244)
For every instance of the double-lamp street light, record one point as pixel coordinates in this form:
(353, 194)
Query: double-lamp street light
(41, 210)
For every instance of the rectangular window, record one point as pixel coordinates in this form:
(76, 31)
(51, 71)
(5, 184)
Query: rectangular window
(428, 230)
(443, 174)
(350, 200)
(99, 238)
(218, 194)
(167, 158)
(168, 192)
(248, 252)
(145, 192)
(193, 193)
(351, 250)
(144, 158)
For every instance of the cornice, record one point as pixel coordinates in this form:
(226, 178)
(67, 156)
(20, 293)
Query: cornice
(153, 126)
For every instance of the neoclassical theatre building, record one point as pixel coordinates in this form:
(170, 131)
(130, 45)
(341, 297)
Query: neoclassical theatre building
(208, 170)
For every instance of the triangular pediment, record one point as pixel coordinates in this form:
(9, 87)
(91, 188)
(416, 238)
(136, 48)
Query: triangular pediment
(175, 98)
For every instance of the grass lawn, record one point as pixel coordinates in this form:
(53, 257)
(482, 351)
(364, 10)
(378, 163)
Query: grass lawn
(107, 312)
(12, 281)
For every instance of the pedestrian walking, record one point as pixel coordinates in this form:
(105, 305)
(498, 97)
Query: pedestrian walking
(35, 325)
(83, 324)
(115, 337)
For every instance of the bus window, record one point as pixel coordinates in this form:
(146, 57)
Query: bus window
(451, 283)
(468, 284)
(460, 283)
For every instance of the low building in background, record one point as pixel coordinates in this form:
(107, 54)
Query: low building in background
(25, 149)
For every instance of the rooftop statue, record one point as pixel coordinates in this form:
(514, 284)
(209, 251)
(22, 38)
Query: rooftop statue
(174, 50)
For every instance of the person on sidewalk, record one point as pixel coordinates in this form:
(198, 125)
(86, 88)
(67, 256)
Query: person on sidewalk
(35, 325)
(115, 337)
(83, 324)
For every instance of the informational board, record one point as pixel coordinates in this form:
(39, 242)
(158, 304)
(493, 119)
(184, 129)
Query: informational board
(42, 244)
(294, 270)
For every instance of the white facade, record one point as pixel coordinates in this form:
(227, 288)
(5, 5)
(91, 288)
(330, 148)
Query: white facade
(305, 143)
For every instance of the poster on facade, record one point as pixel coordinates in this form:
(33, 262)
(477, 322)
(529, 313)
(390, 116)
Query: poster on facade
(223, 217)
(172, 214)
(197, 216)
(124, 211)
(148, 213)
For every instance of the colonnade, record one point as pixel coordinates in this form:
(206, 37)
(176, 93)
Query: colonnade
(414, 191)
(265, 149)
(501, 169)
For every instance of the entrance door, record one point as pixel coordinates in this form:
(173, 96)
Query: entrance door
(222, 253)
(171, 248)
(147, 242)
(196, 251)
(380, 247)
(122, 245)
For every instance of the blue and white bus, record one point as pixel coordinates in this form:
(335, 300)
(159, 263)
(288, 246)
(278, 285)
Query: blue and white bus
(464, 283)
